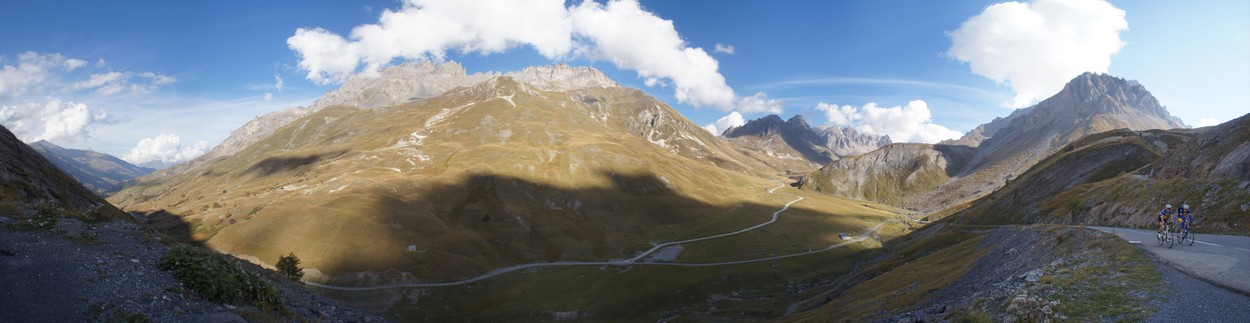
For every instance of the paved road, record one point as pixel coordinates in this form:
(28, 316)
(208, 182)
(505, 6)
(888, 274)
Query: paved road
(1219, 259)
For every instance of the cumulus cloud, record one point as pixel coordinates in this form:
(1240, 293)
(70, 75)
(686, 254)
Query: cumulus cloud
(163, 151)
(620, 32)
(733, 119)
(1205, 122)
(759, 103)
(53, 121)
(724, 49)
(910, 123)
(1038, 47)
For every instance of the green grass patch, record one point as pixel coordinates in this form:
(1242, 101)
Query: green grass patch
(216, 278)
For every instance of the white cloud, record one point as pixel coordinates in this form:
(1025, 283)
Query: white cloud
(1207, 122)
(1038, 47)
(163, 151)
(31, 72)
(74, 63)
(620, 32)
(910, 123)
(53, 121)
(268, 96)
(158, 79)
(104, 84)
(733, 119)
(277, 82)
(724, 49)
(758, 103)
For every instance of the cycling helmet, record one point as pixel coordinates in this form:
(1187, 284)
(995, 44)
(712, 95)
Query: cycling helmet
(1167, 206)
(1185, 206)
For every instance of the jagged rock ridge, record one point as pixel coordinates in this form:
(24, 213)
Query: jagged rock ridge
(398, 84)
(794, 139)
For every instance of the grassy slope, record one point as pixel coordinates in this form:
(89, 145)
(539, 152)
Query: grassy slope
(1124, 191)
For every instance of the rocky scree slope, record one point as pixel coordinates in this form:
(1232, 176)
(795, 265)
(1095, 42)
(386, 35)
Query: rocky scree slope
(1004, 273)
(97, 171)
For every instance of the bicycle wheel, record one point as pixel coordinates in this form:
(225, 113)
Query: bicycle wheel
(1159, 235)
(1170, 236)
(1190, 236)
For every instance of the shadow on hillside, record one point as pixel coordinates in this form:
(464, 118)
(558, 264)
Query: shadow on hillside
(486, 221)
(275, 165)
(171, 225)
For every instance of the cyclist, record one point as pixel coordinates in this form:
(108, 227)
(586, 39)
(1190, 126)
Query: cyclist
(1164, 216)
(1184, 216)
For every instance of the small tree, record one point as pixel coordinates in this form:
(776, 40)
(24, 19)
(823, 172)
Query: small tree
(289, 265)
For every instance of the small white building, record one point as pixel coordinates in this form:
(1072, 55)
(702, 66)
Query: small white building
(412, 247)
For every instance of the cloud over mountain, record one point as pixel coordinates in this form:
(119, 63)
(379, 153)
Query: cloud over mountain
(910, 123)
(53, 121)
(163, 151)
(733, 119)
(620, 32)
(1037, 47)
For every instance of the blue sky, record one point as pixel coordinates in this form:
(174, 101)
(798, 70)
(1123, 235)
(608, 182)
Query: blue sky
(835, 62)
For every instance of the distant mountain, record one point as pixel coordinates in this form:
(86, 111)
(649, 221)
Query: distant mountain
(479, 177)
(27, 178)
(97, 171)
(798, 144)
(1090, 103)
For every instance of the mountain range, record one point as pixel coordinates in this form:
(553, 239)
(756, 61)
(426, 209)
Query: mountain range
(496, 173)
(930, 178)
(795, 142)
(424, 174)
(97, 171)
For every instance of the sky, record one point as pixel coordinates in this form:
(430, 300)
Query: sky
(160, 82)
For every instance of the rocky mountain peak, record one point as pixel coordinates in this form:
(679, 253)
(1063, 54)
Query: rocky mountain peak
(562, 77)
(797, 122)
(1096, 93)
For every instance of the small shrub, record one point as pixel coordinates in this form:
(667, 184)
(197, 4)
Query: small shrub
(218, 279)
(289, 265)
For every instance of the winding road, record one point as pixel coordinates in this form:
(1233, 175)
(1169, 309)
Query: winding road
(624, 262)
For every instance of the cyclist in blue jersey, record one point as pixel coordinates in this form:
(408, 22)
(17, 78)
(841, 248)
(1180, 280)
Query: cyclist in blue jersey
(1184, 216)
(1164, 216)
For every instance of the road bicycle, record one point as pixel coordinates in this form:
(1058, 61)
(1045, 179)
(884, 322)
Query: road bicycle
(1166, 236)
(1184, 234)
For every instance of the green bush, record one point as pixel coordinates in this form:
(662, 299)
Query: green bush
(289, 265)
(216, 278)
